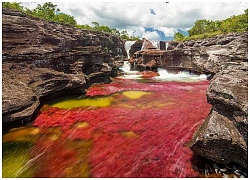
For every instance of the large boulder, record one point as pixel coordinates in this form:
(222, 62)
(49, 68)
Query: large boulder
(42, 60)
(224, 135)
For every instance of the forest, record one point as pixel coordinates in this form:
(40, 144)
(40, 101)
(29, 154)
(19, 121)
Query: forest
(202, 28)
(207, 28)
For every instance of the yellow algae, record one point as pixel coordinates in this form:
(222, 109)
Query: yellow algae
(128, 134)
(134, 94)
(92, 102)
(82, 124)
(21, 134)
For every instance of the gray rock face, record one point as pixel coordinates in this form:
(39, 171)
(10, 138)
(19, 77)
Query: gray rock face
(42, 60)
(231, 48)
(25, 86)
(224, 135)
(206, 56)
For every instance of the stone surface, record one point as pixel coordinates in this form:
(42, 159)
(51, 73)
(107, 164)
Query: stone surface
(42, 60)
(224, 135)
(205, 56)
(25, 87)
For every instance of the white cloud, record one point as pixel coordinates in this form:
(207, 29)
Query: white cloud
(167, 31)
(151, 35)
(136, 16)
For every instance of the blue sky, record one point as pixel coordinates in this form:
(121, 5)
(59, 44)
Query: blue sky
(151, 20)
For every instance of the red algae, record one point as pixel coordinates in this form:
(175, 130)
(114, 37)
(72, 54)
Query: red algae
(156, 126)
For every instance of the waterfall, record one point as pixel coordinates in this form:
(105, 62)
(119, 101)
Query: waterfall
(127, 46)
(156, 44)
(183, 76)
(166, 45)
(126, 66)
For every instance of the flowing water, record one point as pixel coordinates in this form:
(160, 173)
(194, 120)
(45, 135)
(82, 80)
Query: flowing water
(132, 127)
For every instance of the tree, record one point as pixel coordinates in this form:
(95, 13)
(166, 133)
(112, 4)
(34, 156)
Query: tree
(13, 5)
(178, 36)
(66, 19)
(46, 11)
(95, 24)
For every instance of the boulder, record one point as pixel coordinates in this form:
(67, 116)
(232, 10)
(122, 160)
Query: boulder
(223, 136)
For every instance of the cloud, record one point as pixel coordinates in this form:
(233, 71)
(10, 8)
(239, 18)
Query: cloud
(151, 35)
(136, 17)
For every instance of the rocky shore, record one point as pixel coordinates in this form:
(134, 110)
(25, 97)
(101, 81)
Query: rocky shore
(43, 60)
(224, 135)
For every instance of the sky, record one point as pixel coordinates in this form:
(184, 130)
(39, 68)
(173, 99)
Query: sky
(152, 20)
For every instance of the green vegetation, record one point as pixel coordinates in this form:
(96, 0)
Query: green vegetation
(207, 28)
(50, 12)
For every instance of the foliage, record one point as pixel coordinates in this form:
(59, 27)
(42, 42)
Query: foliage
(178, 36)
(207, 28)
(13, 5)
(49, 11)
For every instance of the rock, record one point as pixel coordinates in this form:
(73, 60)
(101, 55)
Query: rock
(223, 136)
(210, 58)
(149, 74)
(25, 87)
(218, 140)
(43, 60)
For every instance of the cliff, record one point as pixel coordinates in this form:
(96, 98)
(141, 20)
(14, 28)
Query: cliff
(42, 59)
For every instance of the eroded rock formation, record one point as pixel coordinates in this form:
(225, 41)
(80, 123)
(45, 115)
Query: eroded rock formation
(223, 136)
(42, 59)
(206, 56)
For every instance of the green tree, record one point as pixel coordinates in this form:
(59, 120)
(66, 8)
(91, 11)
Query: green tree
(178, 36)
(46, 11)
(95, 25)
(65, 18)
(13, 5)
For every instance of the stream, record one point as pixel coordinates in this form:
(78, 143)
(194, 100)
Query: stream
(132, 127)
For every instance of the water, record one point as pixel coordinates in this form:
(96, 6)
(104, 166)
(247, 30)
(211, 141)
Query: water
(129, 128)
(127, 46)
(126, 69)
(182, 76)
